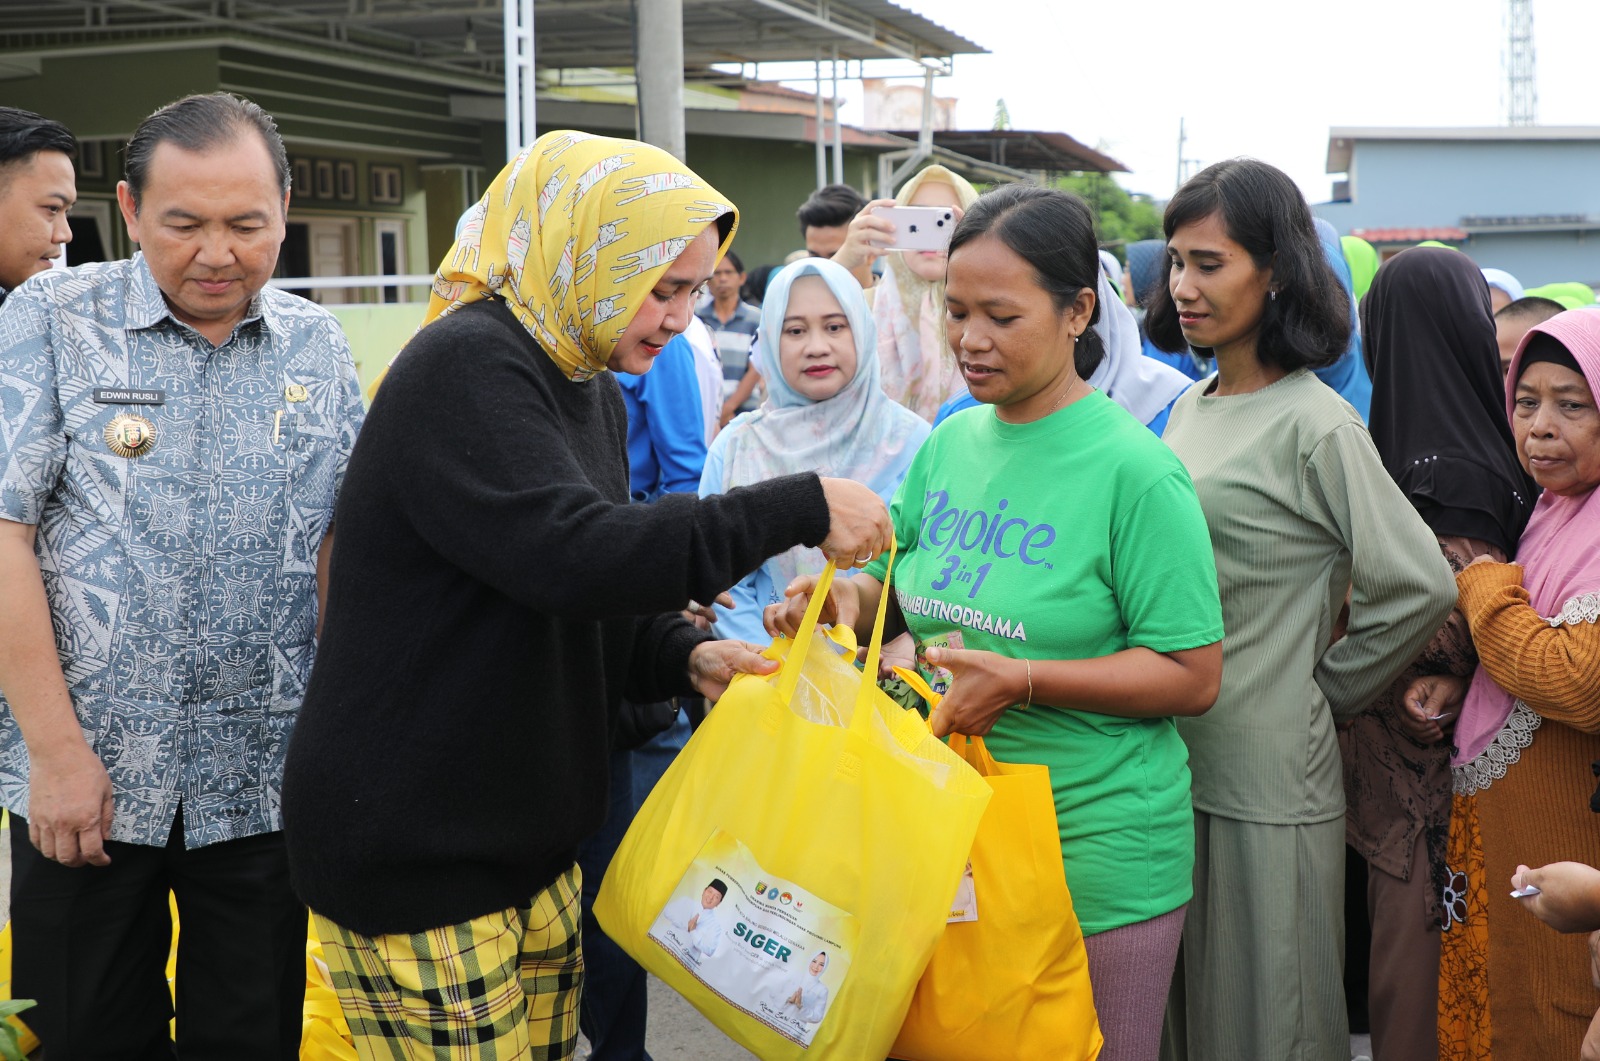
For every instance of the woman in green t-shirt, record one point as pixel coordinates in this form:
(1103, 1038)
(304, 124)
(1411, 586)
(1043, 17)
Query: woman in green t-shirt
(1057, 578)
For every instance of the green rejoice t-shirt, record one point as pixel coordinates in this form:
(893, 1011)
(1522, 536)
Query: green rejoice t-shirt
(1072, 537)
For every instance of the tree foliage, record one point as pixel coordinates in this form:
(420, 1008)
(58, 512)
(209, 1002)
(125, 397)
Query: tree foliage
(10, 1035)
(1120, 218)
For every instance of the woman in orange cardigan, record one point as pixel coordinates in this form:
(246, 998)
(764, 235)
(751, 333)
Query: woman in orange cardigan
(1529, 723)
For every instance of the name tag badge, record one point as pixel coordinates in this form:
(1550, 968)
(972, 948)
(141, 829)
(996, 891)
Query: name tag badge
(129, 396)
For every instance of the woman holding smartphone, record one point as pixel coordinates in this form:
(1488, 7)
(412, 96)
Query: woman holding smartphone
(908, 301)
(1056, 576)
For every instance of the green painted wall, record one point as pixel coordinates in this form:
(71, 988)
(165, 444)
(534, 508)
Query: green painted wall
(72, 89)
(319, 101)
(768, 180)
(328, 112)
(376, 334)
(310, 99)
(446, 199)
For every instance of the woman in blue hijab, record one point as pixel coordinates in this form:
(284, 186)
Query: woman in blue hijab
(1348, 375)
(1147, 266)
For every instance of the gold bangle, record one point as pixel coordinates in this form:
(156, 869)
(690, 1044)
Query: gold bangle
(1029, 664)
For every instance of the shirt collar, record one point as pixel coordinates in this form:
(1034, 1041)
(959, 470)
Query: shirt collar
(147, 307)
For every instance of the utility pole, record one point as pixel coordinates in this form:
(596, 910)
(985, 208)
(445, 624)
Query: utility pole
(1522, 90)
(1180, 155)
(1186, 166)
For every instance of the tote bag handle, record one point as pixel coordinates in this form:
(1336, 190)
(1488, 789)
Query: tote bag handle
(794, 662)
(977, 754)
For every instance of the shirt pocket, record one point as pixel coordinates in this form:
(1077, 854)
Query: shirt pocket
(150, 496)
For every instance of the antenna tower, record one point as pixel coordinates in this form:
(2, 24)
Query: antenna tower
(1522, 93)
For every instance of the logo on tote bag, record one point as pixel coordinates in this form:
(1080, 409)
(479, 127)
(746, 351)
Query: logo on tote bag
(782, 964)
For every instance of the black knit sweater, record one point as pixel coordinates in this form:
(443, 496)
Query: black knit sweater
(493, 597)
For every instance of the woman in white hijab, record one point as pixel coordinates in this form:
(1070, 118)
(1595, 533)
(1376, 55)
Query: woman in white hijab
(908, 301)
(804, 997)
(918, 370)
(825, 411)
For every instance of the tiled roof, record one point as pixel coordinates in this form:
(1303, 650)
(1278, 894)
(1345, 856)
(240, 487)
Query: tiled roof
(1444, 234)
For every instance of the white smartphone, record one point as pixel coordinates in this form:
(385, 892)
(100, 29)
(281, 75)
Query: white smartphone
(918, 228)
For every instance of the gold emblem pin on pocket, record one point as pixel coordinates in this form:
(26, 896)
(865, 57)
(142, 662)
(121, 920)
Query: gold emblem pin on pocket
(130, 435)
(295, 392)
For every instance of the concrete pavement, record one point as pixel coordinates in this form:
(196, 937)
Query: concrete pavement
(677, 1031)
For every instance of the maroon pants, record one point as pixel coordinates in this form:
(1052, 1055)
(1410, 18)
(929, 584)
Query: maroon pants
(1131, 971)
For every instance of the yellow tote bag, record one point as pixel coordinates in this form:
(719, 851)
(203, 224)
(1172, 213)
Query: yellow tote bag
(27, 1042)
(792, 871)
(1010, 978)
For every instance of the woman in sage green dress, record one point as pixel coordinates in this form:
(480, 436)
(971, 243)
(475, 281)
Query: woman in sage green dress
(1302, 517)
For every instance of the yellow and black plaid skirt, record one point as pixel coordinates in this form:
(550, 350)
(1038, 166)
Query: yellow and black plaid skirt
(503, 987)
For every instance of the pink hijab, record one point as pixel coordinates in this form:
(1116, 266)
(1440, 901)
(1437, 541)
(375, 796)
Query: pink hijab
(1560, 550)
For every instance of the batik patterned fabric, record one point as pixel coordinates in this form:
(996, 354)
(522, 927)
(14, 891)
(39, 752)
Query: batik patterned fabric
(574, 234)
(182, 581)
(1464, 1028)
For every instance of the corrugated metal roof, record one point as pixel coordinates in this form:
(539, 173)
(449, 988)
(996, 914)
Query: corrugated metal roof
(1025, 149)
(464, 36)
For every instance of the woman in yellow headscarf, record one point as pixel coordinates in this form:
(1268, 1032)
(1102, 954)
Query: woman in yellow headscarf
(486, 592)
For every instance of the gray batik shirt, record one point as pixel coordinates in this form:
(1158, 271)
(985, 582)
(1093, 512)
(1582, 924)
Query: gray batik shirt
(182, 581)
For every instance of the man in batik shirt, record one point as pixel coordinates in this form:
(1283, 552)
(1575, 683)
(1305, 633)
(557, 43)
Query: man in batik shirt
(172, 438)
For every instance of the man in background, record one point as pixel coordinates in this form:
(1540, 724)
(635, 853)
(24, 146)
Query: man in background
(1513, 320)
(732, 323)
(825, 217)
(37, 190)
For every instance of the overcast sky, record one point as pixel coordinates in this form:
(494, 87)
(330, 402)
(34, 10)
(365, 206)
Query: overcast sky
(1253, 77)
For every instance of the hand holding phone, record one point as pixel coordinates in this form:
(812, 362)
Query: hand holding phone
(918, 228)
(864, 241)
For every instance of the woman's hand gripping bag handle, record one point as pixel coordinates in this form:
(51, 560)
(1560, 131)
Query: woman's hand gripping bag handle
(1010, 978)
(799, 850)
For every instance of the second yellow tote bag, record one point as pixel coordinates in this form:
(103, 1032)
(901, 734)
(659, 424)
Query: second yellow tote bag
(1009, 980)
(791, 872)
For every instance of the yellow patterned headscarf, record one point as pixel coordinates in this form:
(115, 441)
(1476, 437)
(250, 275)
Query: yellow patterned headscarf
(573, 235)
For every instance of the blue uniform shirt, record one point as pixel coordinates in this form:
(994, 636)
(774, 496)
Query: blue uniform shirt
(666, 424)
